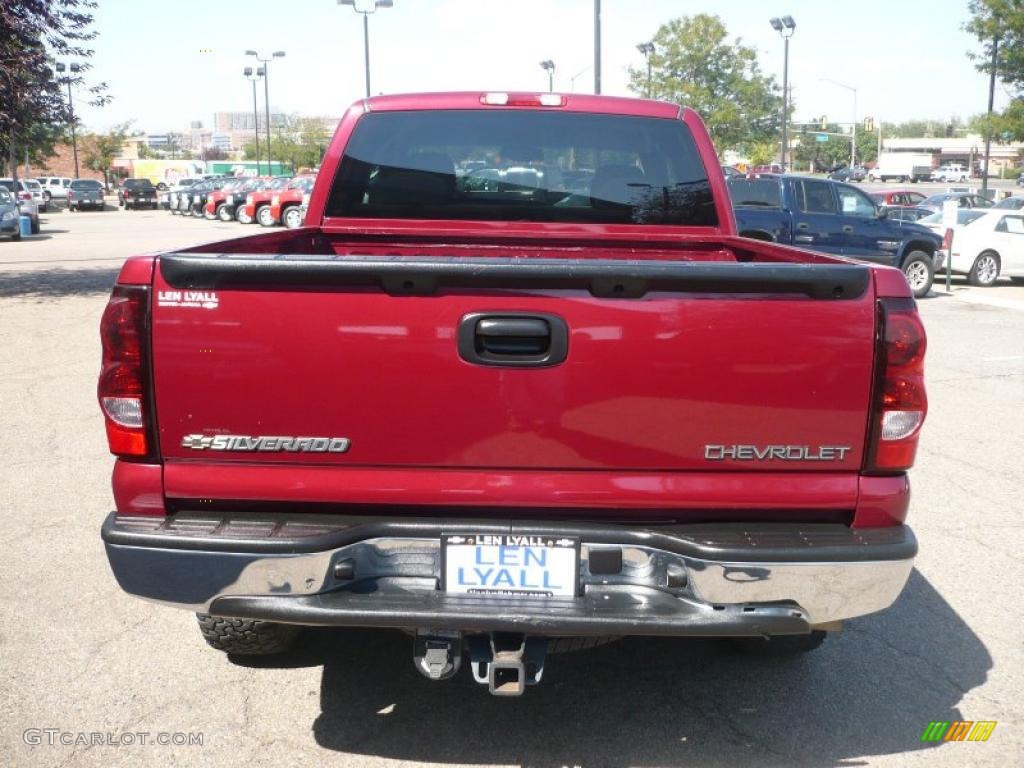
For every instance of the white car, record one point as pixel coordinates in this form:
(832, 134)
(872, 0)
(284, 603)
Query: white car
(989, 245)
(41, 201)
(55, 187)
(949, 173)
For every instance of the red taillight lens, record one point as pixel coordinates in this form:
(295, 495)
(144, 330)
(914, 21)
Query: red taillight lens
(899, 402)
(124, 379)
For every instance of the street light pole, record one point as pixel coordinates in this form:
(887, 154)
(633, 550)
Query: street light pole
(991, 104)
(75, 68)
(265, 71)
(549, 66)
(255, 117)
(597, 47)
(371, 7)
(853, 142)
(785, 27)
(647, 49)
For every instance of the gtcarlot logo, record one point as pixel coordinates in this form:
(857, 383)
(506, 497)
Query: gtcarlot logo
(57, 737)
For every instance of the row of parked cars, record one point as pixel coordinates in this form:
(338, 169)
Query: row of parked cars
(267, 200)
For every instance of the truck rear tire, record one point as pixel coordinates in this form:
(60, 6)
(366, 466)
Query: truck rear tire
(780, 645)
(245, 637)
(919, 269)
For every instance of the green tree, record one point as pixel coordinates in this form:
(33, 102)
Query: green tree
(100, 149)
(694, 64)
(999, 27)
(820, 155)
(32, 34)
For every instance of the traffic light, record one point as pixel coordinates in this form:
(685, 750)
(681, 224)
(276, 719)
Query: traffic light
(824, 122)
(869, 124)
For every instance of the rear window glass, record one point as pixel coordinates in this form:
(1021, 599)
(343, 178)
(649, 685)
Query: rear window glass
(762, 193)
(523, 165)
(138, 183)
(86, 184)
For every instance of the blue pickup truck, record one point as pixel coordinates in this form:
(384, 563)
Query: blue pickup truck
(835, 218)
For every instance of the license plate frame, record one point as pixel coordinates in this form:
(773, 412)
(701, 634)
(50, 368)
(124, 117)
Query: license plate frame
(546, 582)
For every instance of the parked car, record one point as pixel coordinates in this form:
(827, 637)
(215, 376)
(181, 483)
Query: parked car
(965, 199)
(55, 187)
(9, 224)
(257, 203)
(216, 197)
(845, 173)
(423, 420)
(951, 172)
(286, 205)
(904, 197)
(728, 171)
(36, 189)
(964, 216)
(836, 218)
(201, 193)
(85, 193)
(137, 193)
(909, 213)
(168, 198)
(27, 204)
(233, 206)
(1014, 203)
(990, 245)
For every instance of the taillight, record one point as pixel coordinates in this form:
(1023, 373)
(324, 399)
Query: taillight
(124, 379)
(502, 99)
(899, 403)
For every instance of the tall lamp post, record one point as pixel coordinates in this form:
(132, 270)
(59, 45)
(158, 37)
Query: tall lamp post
(647, 49)
(785, 27)
(370, 6)
(255, 114)
(549, 66)
(853, 135)
(265, 71)
(75, 69)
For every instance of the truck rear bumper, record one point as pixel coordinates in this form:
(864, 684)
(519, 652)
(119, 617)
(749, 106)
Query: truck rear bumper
(696, 579)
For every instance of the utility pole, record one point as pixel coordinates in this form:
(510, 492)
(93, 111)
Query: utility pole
(647, 49)
(597, 47)
(991, 104)
(785, 26)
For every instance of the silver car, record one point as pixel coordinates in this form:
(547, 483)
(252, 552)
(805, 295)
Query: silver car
(27, 204)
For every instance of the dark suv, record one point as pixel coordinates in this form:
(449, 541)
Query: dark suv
(137, 193)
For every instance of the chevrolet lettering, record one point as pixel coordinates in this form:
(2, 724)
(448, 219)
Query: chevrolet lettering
(775, 452)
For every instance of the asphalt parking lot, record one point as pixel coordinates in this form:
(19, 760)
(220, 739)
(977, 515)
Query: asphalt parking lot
(80, 656)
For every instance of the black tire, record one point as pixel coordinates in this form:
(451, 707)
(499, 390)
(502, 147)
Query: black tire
(571, 644)
(919, 269)
(982, 274)
(223, 213)
(1017, 280)
(245, 637)
(780, 645)
(35, 226)
(16, 237)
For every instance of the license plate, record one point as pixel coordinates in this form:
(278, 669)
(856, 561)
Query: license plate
(513, 565)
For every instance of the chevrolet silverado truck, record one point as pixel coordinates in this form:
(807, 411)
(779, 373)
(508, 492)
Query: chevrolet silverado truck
(515, 418)
(830, 217)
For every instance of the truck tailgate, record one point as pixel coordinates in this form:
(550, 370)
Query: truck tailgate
(700, 367)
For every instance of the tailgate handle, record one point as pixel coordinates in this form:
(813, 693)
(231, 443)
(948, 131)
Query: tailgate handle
(513, 339)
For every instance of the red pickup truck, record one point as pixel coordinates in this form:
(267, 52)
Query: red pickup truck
(515, 386)
(286, 205)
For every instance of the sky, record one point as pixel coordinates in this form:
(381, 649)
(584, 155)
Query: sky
(170, 63)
